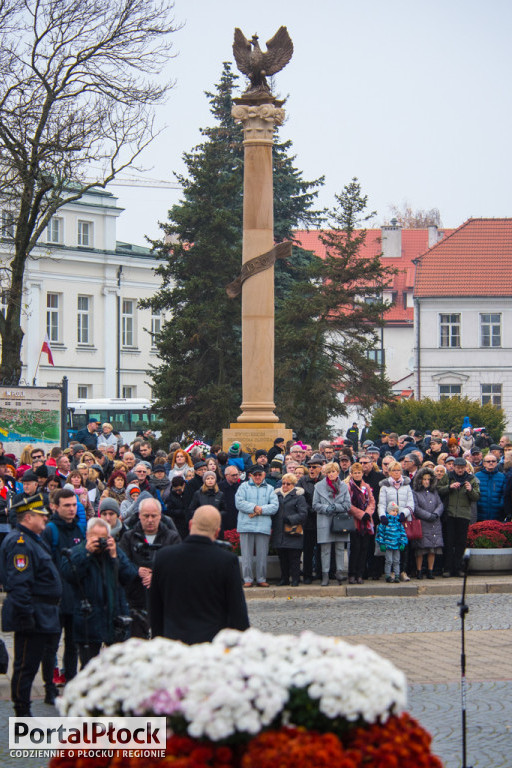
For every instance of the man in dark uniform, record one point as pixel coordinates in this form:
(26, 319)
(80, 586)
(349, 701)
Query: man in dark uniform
(34, 590)
(196, 588)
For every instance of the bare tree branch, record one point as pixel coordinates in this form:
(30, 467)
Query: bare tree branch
(79, 83)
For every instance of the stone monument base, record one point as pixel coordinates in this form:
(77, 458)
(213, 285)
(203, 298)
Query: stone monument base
(254, 435)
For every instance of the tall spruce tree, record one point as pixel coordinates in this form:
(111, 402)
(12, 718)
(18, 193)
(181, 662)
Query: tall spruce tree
(198, 384)
(328, 324)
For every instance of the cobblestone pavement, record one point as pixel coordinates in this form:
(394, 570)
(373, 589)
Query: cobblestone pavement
(421, 636)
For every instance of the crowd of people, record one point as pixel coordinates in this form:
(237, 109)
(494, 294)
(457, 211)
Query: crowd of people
(82, 527)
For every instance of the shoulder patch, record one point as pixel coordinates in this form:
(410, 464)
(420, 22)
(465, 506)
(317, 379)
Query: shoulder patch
(21, 540)
(21, 562)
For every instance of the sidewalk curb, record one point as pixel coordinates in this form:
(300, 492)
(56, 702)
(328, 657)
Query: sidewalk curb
(414, 588)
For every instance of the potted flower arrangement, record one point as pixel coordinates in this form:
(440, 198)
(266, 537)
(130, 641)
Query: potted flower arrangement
(491, 546)
(252, 700)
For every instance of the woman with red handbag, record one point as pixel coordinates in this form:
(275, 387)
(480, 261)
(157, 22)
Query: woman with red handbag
(428, 508)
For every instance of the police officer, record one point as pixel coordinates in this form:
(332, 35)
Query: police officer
(34, 589)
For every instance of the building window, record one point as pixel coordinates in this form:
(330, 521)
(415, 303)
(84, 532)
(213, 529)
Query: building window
(449, 330)
(84, 235)
(156, 327)
(84, 335)
(7, 225)
(128, 323)
(449, 390)
(491, 393)
(377, 355)
(55, 230)
(53, 316)
(490, 330)
(84, 391)
(129, 392)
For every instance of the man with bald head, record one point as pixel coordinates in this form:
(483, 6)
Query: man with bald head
(196, 588)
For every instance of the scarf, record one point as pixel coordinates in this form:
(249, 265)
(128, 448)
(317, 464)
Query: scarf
(333, 486)
(358, 494)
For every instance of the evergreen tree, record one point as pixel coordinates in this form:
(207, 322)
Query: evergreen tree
(198, 384)
(328, 324)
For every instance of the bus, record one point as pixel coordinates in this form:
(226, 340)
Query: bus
(127, 416)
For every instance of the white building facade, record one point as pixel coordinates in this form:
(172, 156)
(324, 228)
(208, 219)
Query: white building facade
(463, 316)
(82, 288)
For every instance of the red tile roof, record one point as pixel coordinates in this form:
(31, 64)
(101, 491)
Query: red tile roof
(414, 243)
(474, 260)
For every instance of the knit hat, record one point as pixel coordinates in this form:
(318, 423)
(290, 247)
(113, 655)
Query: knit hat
(209, 473)
(109, 503)
(234, 449)
(132, 488)
(260, 452)
(77, 448)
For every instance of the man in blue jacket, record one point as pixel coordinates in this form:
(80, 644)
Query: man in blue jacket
(492, 490)
(256, 503)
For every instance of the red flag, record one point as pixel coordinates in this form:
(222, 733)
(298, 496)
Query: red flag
(47, 349)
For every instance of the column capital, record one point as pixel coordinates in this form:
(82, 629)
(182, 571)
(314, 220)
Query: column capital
(259, 121)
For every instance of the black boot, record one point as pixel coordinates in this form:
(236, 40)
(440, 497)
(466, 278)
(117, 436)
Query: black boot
(50, 694)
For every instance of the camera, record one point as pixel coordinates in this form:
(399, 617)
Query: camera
(102, 544)
(122, 626)
(85, 607)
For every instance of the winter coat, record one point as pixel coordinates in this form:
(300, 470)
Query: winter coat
(492, 494)
(100, 579)
(60, 535)
(109, 439)
(428, 507)
(309, 486)
(401, 452)
(215, 498)
(177, 510)
(359, 513)
(466, 443)
(293, 510)
(229, 512)
(457, 501)
(249, 496)
(392, 535)
(142, 554)
(322, 499)
(401, 496)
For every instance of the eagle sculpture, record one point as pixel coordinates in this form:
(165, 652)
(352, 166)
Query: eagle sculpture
(258, 65)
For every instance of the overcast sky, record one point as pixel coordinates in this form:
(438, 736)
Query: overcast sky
(411, 96)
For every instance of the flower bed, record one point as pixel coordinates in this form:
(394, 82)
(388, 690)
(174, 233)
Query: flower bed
(252, 700)
(490, 534)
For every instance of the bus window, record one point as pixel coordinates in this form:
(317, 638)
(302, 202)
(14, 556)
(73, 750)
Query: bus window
(139, 420)
(120, 420)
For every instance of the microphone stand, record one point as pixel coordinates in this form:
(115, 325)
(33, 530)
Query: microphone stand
(463, 610)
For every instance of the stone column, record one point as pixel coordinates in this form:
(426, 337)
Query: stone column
(258, 120)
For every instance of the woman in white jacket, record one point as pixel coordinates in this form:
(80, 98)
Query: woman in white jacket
(397, 488)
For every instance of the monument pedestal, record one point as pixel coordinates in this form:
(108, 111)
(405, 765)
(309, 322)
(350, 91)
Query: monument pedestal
(254, 435)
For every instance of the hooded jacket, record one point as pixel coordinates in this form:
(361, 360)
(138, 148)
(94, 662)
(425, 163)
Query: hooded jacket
(428, 507)
(457, 501)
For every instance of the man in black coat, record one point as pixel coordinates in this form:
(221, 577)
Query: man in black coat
(196, 589)
(311, 553)
(140, 545)
(229, 486)
(87, 436)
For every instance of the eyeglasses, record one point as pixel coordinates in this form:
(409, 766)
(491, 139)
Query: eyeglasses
(490, 461)
(286, 483)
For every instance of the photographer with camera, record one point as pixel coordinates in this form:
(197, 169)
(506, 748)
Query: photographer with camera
(140, 546)
(98, 571)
